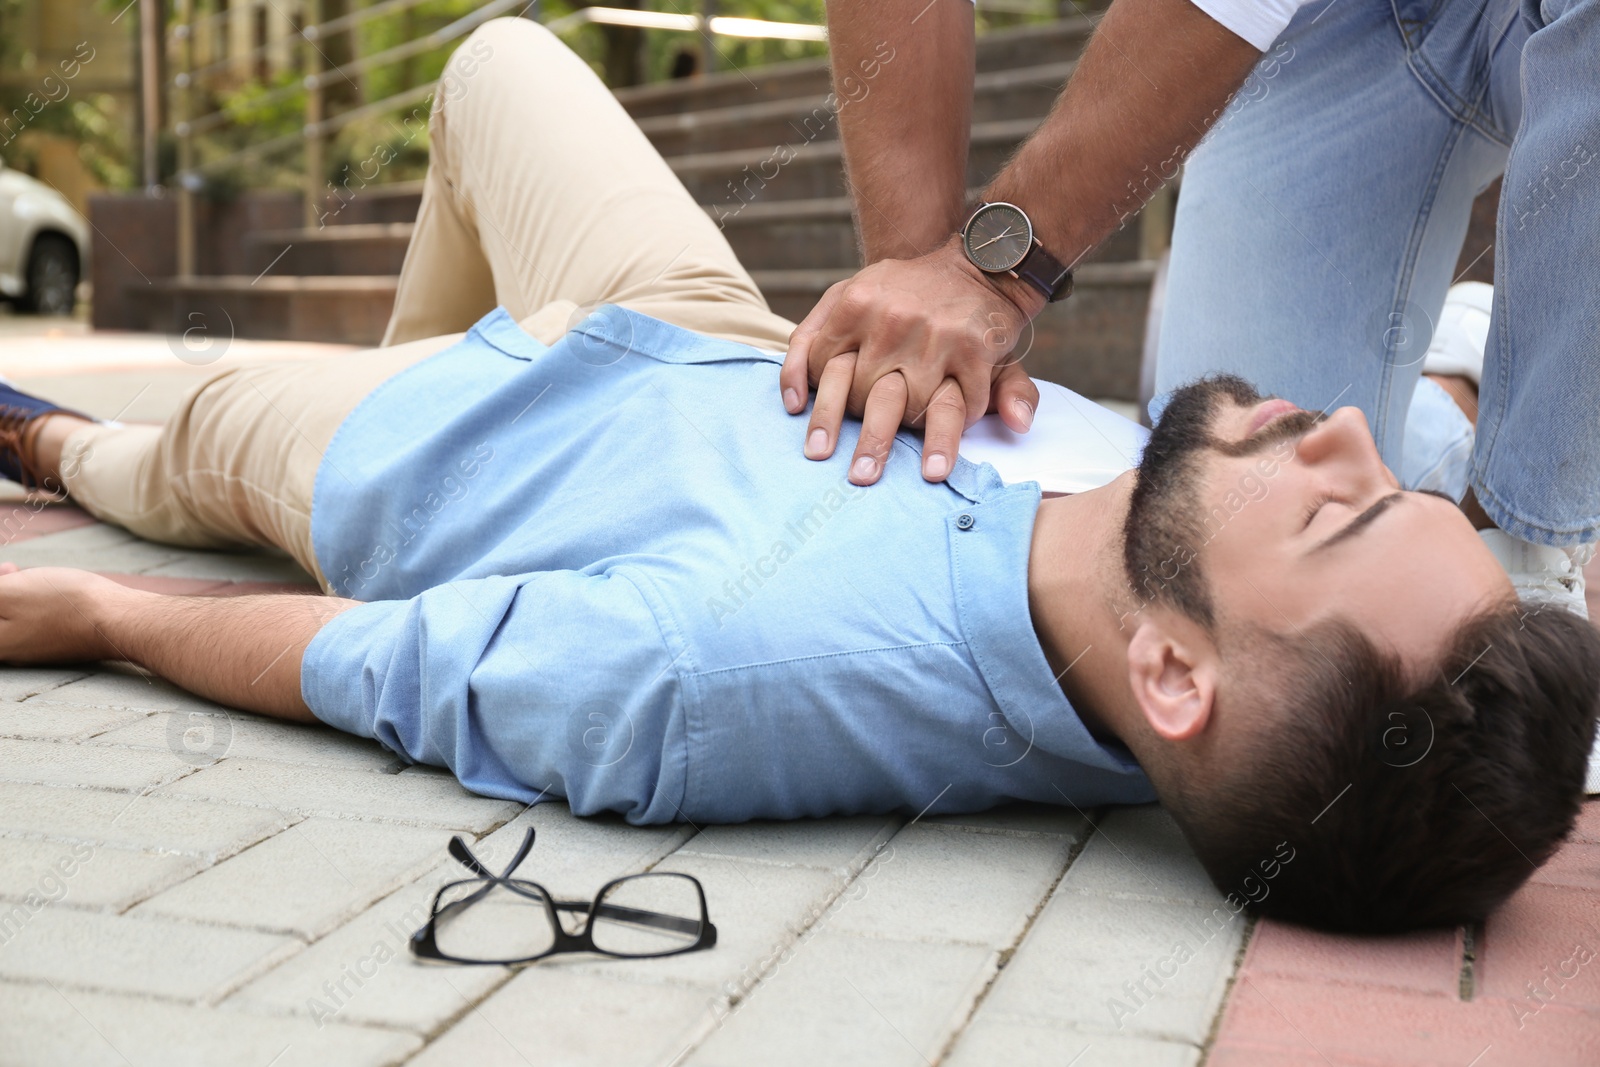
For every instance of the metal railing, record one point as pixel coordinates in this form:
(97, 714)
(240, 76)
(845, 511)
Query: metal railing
(309, 32)
(723, 25)
(318, 124)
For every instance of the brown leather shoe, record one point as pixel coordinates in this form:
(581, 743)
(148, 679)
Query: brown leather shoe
(19, 424)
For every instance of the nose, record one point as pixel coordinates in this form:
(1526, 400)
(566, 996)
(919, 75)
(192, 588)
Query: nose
(1342, 444)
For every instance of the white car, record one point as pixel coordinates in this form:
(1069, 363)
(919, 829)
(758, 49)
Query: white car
(44, 245)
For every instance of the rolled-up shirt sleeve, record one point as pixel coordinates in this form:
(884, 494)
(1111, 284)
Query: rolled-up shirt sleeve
(549, 684)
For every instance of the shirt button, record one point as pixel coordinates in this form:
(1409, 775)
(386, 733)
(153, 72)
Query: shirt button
(965, 522)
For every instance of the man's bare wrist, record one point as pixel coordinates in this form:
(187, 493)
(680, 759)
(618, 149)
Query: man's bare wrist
(110, 612)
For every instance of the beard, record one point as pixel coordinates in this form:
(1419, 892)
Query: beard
(1163, 532)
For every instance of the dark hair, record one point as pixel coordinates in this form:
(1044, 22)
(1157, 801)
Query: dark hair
(1377, 808)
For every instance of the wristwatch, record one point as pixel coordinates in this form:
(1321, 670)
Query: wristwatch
(998, 239)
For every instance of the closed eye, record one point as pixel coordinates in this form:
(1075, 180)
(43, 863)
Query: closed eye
(1316, 505)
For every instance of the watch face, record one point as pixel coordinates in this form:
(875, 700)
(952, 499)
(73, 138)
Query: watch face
(998, 237)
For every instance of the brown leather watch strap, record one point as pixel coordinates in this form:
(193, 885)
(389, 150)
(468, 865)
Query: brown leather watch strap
(1045, 273)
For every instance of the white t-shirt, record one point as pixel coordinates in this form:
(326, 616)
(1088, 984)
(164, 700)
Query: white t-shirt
(1257, 21)
(1073, 446)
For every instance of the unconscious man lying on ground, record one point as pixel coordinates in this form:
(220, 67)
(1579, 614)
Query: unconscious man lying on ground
(593, 563)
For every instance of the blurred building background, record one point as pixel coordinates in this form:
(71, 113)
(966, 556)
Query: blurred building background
(249, 57)
(257, 163)
(83, 136)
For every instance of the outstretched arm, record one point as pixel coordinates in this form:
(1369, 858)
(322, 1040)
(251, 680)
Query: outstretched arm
(243, 652)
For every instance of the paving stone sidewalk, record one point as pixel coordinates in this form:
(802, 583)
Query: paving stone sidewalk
(183, 884)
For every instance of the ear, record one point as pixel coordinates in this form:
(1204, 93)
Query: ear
(1172, 668)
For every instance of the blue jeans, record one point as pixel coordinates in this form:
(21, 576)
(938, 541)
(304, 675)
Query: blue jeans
(1320, 222)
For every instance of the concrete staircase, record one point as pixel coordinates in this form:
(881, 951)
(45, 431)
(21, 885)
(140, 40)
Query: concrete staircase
(793, 230)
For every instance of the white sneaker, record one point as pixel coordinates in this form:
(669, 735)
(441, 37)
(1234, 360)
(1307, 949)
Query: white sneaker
(1549, 577)
(1462, 335)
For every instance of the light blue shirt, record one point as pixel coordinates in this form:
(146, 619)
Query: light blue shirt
(603, 570)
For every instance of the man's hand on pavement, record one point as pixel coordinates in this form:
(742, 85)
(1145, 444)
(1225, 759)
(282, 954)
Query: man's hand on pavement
(53, 615)
(240, 651)
(930, 342)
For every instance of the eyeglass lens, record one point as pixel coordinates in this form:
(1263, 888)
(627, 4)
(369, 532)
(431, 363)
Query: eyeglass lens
(500, 925)
(647, 915)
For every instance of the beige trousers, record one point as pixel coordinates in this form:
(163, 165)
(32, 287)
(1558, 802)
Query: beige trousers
(542, 196)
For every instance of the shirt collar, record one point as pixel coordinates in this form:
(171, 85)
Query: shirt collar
(611, 332)
(499, 330)
(988, 538)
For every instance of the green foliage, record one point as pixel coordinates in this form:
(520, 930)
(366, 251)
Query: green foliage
(382, 148)
(97, 123)
(732, 53)
(269, 108)
(380, 34)
(736, 53)
(56, 104)
(263, 99)
(388, 149)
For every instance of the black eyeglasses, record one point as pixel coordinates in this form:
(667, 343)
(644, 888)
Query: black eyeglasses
(495, 918)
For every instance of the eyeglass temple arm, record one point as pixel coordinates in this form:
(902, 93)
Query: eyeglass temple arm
(464, 856)
(615, 912)
(490, 880)
(636, 916)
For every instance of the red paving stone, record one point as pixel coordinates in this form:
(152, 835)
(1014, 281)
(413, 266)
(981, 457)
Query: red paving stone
(1577, 865)
(1309, 998)
(1304, 998)
(1247, 1056)
(1588, 828)
(24, 522)
(1537, 936)
(174, 586)
(155, 583)
(1289, 1020)
(1427, 962)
